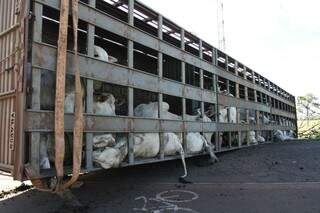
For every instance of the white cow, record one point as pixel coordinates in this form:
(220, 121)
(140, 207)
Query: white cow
(223, 115)
(146, 145)
(47, 150)
(232, 114)
(44, 155)
(112, 157)
(102, 141)
(252, 137)
(196, 142)
(282, 135)
(252, 120)
(101, 54)
(265, 120)
(225, 118)
(105, 105)
(261, 139)
(172, 142)
(69, 102)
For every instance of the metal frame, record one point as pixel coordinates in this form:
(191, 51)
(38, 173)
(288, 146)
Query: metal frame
(44, 58)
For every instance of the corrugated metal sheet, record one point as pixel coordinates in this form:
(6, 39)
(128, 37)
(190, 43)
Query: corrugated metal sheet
(10, 37)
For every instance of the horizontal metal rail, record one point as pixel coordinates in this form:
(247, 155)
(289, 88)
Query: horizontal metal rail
(43, 121)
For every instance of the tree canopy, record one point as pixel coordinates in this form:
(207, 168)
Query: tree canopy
(308, 109)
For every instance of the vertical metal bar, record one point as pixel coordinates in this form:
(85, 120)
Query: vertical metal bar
(228, 85)
(36, 88)
(89, 136)
(255, 96)
(237, 91)
(214, 79)
(215, 83)
(90, 40)
(35, 152)
(182, 39)
(183, 72)
(160, 95)
(160, 65)
(183, 80)
(247, 132)
(215, 56)
(161, 134)
(160, 26)
(35, 136)
(89, 92)
(217, 138)
(239, 139)
(244, 72)
(200, 49)
(229, 140)
(92, 3)
(131, 135)
(37, 35)
(201, 79)
(130, 89)
(253, 79)
(236, 68)
(227, 63)
(184, 133)
(246, 93)
(130, 12)
(238, 116)
(220, 134)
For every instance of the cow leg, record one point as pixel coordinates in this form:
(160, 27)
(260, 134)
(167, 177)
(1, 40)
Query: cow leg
(182, 154)
(209, 149)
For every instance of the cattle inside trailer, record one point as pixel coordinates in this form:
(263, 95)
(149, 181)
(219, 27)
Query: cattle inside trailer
(133, 62)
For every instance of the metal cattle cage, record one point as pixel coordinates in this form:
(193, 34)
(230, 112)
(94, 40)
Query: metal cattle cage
(157, 61)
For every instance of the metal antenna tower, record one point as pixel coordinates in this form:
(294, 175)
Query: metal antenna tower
(220, 24)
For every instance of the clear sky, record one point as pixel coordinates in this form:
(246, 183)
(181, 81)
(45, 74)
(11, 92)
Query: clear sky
(280, 39)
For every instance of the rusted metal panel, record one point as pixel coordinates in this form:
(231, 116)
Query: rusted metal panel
(11, 65)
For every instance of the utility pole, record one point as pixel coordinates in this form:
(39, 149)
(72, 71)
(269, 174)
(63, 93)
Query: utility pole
(220, 24)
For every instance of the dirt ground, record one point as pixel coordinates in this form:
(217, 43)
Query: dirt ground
(279, 177)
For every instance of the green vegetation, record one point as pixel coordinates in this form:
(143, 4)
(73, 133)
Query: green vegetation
(308, 109)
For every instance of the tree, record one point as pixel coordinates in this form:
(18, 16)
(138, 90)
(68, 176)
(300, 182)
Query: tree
(308, 109)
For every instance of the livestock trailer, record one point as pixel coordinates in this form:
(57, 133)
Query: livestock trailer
(155, 60)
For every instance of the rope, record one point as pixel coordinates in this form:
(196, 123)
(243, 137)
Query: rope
(60, 92)
(60, 186)
(78, 125)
